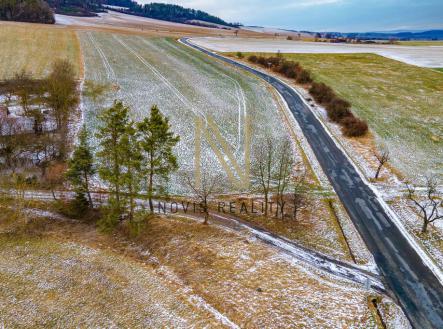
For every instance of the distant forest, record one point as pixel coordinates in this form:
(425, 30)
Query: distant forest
(33, 11)
(40, 11)
(167, 12)
(76, 7)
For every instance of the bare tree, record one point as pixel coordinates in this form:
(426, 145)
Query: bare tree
(263, 169)
(55, 176)
(12, 143)
(298, 196)
(382, 158)
(430, 205)
(284, 159)
(204, 190)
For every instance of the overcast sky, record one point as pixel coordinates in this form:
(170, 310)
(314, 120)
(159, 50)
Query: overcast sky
(325, 15)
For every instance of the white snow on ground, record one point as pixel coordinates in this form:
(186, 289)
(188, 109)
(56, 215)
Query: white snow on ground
(431, 242)
(426, 56)
(185, 85)
(194, 299)
(114, 18)
(297, 253)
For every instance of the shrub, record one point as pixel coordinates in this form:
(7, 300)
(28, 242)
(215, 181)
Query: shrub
(33, 11)
(274, 61)
(76, 208)
(262, 61)
(239, 54)
(109, 220)
(338, 109)
(303, 76)
(253, 59)
(289, 69)
(289, 37)
(354, 127)
(321, 93)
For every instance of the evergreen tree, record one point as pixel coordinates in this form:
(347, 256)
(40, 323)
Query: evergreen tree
(157, 142)
(113, 150)
(132, 162)
(81, 166)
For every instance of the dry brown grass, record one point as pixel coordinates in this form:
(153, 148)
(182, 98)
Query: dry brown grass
(33, 48)
(125, 280)
(250, 282)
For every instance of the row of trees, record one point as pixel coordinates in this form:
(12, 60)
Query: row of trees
(76, 7)
(278, 177)
(279, 64)
(337, 108)
(33, 11)
(131, 155)
(167, 12)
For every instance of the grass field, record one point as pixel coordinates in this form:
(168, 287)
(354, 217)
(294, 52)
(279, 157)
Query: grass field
(403, 104)
(186, 85)
(33, 47)
(177, 273)
(420, 43)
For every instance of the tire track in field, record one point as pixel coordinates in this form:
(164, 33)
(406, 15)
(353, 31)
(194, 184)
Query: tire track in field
(240, 95)
(109, 70)
(162, 78)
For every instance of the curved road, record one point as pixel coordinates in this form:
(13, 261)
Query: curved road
(415, 286)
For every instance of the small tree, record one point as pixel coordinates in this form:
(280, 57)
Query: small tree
(263, 169)
(431, 205)
(54, 176)
(62, 89)
(81, 166)
(12, 143)
(298, 196)
(382, 158)
(157, 142)
(204, 190)
(132, 162)
(284, 159)
(111, 134)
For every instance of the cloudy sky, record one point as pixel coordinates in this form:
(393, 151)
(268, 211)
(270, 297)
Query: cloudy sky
(325, 15)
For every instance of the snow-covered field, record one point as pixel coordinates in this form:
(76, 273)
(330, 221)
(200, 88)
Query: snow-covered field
(426, 56)
(187, 87)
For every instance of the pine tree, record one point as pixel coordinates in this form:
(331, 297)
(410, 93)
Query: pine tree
(132, 162)
(157, 142)
(81, 167)
(113, 149)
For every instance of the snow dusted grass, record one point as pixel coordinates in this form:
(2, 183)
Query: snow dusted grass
(251, 283)
(45, 283)
(403, 104)
(33, 47)
(185, 84)
(316, 228)
(432, 241)
(176, 273)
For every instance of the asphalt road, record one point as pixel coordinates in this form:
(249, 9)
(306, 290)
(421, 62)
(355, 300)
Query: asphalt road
(415, 286)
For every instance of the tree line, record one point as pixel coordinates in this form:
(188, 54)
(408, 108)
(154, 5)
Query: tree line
(32, 11)
(167, 12)
(337, 108)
